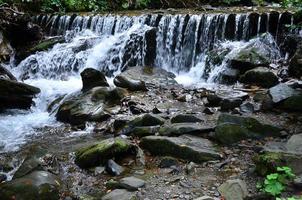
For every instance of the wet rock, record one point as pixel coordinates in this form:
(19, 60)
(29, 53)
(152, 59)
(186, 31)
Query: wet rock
(216, 99)
(150, 75)
(131, 183)
(119, 194)
(185, 118)
(234, 189)
(46, 44)
(15, 94)
(167, 162)
(143, 131)
(132, 85)
(93, 105)
(260, 76)
(210, 111)
(276, 154)
(185, 147)
(147, 120)
(249, 58)
(37, 185)
(99, 153)
(30, 164)
(113, 168)
(230, 104)
(5, 74)
(229, 76)
(231, 129)
(93, 78)
(281, 92)
(183, 128)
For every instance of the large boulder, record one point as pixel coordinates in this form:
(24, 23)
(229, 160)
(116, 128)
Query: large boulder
(231, 129)
(100, 153)
(260, 76)
(93, 78)
(279, 154)
(15, 94)
(132, 85)
(93, 105)
(36, 185)
(186, 147)
(249, 58)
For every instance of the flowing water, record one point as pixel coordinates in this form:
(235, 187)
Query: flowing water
(111, 43)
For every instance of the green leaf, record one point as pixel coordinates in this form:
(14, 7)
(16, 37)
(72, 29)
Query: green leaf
(274, 188)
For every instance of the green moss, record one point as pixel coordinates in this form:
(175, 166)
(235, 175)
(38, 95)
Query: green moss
(268, 162)
(99, 153)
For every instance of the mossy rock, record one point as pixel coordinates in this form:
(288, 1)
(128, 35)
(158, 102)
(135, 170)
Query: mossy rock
(37, 185)
(293, 103)
(47, 44)
(232, 128)
(268, 161)
(99, 153)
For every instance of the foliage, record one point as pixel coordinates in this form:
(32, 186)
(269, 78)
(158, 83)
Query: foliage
(274, 184)
(292, 3)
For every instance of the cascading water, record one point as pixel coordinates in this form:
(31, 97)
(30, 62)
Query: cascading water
(178, 43)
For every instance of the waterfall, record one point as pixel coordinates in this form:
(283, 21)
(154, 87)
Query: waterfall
(180, 43)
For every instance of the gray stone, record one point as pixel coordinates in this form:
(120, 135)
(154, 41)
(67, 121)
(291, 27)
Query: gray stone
(233, 128)
(260, 76)
(294, 144)
(132, 85)
(113, 168)
(234, 190)
(186, 147)
(230, 104)
(119, 194)
(227, 95)
(281, 92)
(94, 105)
(206, 198)
(142, 131)
(183, 128)
(131, 183)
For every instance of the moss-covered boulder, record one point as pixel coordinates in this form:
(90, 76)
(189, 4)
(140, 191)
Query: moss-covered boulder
(231, 129)
(260, 76)
(99, 153)
(185, 147)
(36, 185)
(93, 105)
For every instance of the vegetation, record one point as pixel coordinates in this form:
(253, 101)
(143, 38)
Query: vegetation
(275, 183)
(102, 5)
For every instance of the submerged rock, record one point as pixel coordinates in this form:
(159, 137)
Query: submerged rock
(231, 129)
(101, 152)
(37, 185)
(15, 94)
(132, 85)
(93, 78)
(260, 76)
(93, 105)
(185, 147)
